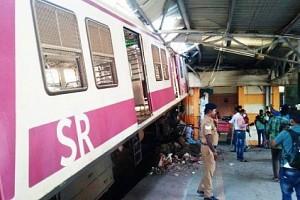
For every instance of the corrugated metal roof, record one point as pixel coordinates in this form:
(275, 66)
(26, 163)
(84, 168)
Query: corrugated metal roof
(207, 15)
(265, 19)
(256, 16)
(263, 16)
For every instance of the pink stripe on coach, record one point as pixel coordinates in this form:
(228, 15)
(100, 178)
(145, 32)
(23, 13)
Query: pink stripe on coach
(162, 97)
(7, 102)
(45, 151)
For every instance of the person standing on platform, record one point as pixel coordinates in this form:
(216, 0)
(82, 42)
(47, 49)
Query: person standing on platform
(241, 136)
(233, 122)
(290, 163)
(260, 123)
(208, 134)
(275, 125)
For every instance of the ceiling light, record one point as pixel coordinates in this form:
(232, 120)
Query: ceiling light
(235, 51)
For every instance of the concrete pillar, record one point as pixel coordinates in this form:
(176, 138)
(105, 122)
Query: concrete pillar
(275, 97)
(196, 114)
(192, 114)
(241, 96)
(267, 95)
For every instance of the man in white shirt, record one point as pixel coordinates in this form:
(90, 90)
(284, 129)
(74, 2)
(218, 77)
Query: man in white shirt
(240, 136)
(233, 121)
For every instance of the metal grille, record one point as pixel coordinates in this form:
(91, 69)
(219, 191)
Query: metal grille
(47, 24)
(163, 57)
(56, 26)
(106, 40)
(102, 54)
(166, 72)
(94, 37)
(157, 70)
(155, 54)
(68, 29)
(156, 63)
(100, 38)
(164, 64)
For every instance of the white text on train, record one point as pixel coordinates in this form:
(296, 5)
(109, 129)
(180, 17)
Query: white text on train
(82, 135)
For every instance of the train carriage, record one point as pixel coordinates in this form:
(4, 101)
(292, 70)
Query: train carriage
(77, 79)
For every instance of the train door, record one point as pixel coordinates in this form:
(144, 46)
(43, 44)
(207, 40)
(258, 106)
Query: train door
(138, 74)
(175, 75)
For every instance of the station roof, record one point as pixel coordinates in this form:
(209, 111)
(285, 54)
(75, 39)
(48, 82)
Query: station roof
(235, 33)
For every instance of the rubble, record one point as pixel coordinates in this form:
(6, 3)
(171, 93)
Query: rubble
(175, 165)
(179, 154)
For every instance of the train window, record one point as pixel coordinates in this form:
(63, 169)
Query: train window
(102, 54)
(60, 48)
(156, 62)
(164, 64)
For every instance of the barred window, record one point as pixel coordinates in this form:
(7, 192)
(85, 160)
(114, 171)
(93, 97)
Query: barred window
(102, 54)
(60, 48)
(164, 63)
(156, 63)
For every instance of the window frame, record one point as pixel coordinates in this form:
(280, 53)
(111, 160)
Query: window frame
(41, 51)
(113, 70)
(154, 63)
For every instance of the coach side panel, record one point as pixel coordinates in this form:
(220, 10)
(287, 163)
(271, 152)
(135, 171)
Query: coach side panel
(59, 135)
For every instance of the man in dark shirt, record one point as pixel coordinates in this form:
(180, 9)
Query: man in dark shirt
(289, 177)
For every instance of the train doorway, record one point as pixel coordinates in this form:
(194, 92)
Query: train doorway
(138, 74)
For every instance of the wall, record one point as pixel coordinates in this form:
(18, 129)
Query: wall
(230, 78)
(226, 99)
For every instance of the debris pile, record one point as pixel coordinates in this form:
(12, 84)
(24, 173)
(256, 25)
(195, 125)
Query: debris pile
(172, 164)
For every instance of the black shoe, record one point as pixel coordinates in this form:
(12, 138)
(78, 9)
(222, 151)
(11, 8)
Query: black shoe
(210, 198)
(243, 160)
(232, 150)
(201, 193)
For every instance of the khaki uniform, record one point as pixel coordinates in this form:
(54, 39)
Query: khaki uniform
(207, 128)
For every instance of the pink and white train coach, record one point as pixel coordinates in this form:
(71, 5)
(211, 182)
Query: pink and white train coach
(77, 79)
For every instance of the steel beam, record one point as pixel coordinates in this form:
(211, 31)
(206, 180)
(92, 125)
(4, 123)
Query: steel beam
(139, 11)
(248, 53)
(165, 10)
(281, 59)
(287, 28)
(295, 49)
(270, 46)
(217, 33)
(230, 15)
(183, 13)
(240, 43)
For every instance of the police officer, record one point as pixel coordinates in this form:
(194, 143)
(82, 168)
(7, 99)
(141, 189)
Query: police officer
(208, 136)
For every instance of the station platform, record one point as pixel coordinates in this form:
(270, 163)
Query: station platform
(233, 180)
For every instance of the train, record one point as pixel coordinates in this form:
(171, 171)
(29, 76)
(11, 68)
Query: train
(78, 78)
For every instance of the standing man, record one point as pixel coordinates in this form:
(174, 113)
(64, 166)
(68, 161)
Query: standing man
(275, 125)
(241, 136)
(233, 122)
(289, 176)
(260, 123)
(208, 135)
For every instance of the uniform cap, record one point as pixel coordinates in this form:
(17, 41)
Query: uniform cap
(210, 106)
